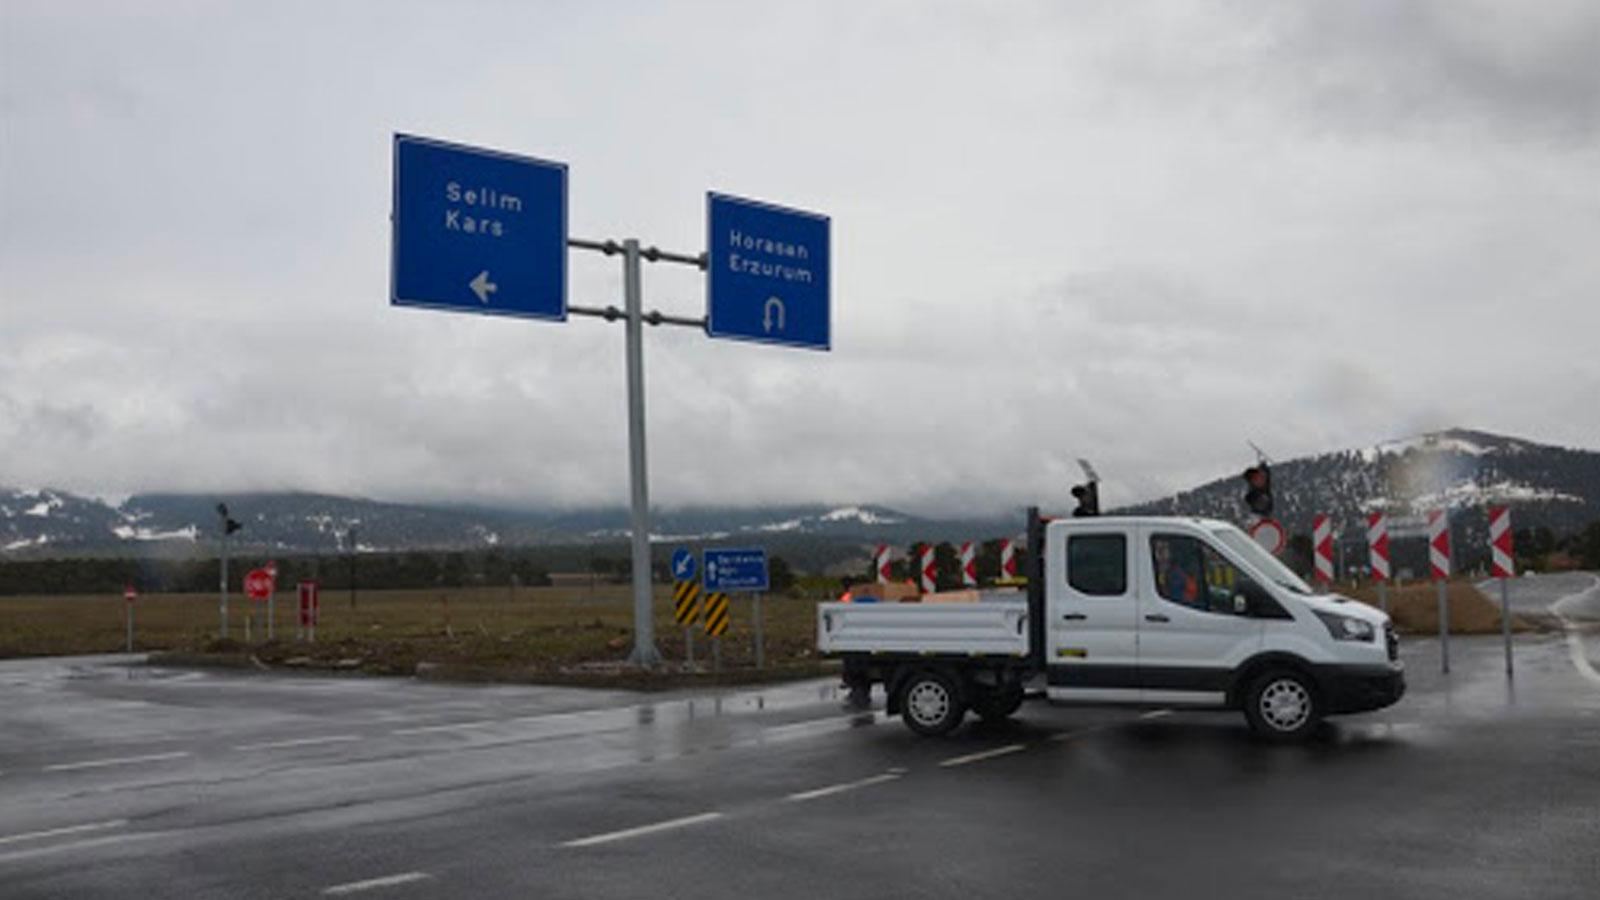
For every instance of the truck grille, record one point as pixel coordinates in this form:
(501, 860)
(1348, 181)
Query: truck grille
(1391, 640)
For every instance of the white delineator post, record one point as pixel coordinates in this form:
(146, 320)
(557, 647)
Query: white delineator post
(128, 596)
(1439, 563)
(1503, 566)
(1378, 554)
(1322, 549)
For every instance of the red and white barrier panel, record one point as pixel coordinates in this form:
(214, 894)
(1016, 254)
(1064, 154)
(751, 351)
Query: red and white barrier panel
(926, 567)
(1322, 548)
(880, 563)
(1378, 545)
(1439, 543)
(1008, 558)
(1502, 562)
(969, 565)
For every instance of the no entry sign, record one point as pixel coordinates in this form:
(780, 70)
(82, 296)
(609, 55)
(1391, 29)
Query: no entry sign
(258, 584)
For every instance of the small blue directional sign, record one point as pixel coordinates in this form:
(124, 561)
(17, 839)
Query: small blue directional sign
(683, 564)
(736, 570)
(478, 231)
(767, 273)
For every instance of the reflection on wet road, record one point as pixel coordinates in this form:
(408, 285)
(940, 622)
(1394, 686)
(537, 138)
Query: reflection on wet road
(120, 779)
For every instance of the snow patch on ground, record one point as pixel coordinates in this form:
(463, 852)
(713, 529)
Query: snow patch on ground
(133, 533)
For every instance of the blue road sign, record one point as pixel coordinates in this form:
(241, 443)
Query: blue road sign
(767, 273)
(683, 564)
(736, 570)
(478, 231)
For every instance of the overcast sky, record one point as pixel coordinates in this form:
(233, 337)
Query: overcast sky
(1141, 233)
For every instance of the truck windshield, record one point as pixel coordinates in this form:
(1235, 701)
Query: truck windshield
(1240, 543)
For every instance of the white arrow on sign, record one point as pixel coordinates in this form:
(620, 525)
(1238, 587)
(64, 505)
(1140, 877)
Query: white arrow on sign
(766, 314)
(683, 567)
(482, 286)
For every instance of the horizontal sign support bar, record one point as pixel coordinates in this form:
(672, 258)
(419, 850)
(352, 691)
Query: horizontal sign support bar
(649, 254)
(654, 317)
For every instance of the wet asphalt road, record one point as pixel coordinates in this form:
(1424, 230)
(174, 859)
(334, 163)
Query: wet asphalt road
(123, 780)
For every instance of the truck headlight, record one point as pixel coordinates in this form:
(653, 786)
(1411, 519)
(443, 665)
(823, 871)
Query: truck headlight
(1346, 628)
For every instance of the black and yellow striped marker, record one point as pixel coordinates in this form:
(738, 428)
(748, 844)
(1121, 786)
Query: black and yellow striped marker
(716, 614)
(686, 602)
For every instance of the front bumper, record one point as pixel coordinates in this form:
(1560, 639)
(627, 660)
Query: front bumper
(1360, 688)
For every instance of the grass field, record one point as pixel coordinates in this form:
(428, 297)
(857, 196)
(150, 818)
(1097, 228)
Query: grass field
(532, 633)
(549, 634)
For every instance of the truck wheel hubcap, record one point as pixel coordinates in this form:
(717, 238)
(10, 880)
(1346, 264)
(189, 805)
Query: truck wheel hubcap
(1285, 704)
(929, 702)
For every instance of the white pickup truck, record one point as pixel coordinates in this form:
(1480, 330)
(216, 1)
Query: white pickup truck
(1142, 611)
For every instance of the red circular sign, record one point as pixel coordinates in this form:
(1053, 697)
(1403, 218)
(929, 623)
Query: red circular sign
(1269, 534)
(128, 593)
(258, 584)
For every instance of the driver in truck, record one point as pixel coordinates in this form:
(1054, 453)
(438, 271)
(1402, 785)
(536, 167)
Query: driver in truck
(1174, 580)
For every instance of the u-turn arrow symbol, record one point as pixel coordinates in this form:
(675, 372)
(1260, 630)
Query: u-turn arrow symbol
(773, 303)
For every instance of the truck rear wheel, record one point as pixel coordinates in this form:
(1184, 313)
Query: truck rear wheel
(930, 704)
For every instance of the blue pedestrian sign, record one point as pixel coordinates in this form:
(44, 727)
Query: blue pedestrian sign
(478, 231)
(767, 273)
(736, 570)
(683, 564)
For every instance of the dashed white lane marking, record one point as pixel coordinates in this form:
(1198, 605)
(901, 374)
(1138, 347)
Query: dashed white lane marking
(832, 789)
(982, 755)
(372, 883)
(1156, 714)
(301, 742)
(87, 844)
(428, 729)
(57, 832)
(642, 830)
(119, 761)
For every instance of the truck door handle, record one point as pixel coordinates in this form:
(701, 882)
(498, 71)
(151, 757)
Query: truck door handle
(1074, 617)
(1156, 617)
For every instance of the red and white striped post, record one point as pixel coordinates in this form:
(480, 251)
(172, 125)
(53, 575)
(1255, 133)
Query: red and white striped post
(1439, 562)
(1008, 558)
(880, 563)
(1378, 554)
(1502, 565)
(969, 565)
(927, 570)
(1322, 549)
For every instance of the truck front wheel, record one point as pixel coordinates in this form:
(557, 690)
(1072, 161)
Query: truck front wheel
(930, 704)
(1282, 705)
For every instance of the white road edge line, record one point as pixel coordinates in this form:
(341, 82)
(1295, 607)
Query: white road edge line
(642, 830)
(370, 883)
(1575, 648)
(57, 832)
(832, 789)
(119, 761)
(982, 755)
(425, 729)
(301, 742)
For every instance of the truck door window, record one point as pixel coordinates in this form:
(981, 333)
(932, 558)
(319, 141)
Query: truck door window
(1097, 564)
(1190, 572)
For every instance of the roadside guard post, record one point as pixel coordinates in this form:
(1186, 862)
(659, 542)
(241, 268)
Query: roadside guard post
(1439, 563)
(1502, 566)
(128, 596)
(309, 604)
(1378, 554)
(685, 598)
(485, 232)
(272, 596)
(743, 570)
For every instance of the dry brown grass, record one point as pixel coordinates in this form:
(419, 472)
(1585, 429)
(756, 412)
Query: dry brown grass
(529, 632)
(1415, 608)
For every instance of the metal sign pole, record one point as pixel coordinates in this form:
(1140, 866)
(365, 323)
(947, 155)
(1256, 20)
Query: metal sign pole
(1444, 630)
(644, 639)
(129, 604)
(1505, 622)
(224, 580)
(688, 645)
(716, 654)
(756, 616)
(1383, 595)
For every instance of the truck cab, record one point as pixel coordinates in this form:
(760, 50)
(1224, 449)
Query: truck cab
(1158, 611)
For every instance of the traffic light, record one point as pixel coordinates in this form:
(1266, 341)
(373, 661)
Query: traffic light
(1258, 494)
(1088, 497)
(229, 525)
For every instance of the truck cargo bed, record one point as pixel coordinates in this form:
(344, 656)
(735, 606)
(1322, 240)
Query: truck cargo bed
(992, 627)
